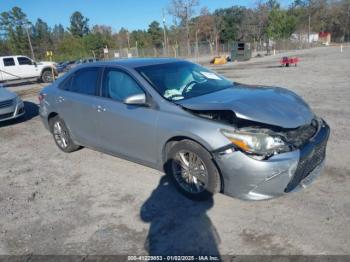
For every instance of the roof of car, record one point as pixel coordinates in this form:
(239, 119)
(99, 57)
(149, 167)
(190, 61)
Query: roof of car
(138, 62)
(9, 56)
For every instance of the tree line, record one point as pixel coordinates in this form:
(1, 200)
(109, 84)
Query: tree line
(192, 24)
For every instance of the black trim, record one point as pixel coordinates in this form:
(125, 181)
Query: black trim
(224, 148)
(311, 155)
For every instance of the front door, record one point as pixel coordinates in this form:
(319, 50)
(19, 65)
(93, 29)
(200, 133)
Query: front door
(128, 130)
(26, 67)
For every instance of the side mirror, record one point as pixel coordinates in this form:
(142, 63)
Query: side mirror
(35, 64)
(138, 99)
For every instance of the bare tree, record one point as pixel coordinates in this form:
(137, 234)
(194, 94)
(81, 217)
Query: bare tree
(206, 28)
(184, 11)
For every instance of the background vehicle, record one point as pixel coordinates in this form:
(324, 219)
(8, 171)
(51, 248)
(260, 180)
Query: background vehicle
(79, 62)
(11, 105)
(210, 134)
(62, 67)
(22, 67)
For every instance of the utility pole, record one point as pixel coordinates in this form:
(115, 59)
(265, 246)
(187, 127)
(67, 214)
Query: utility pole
(197, 48)
(188, 31)
(128, 38)
(137, 49)
(30, 42)
(165, 37)
(348, 24)
(308, 34)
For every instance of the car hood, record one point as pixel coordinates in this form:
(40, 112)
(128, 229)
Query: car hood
(6, 95)
(47, 63)
(269, 105)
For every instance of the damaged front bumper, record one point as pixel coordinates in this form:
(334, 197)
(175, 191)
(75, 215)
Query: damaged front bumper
(251, 179)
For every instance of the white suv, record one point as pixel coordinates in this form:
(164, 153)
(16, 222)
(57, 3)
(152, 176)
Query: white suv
(22, 67)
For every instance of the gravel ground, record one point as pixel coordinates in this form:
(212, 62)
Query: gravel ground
(91, 203)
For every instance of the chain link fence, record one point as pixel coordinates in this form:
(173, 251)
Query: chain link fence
(206, 51)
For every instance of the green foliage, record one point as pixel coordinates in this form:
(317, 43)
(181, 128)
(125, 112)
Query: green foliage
(142, 38)
(14, 24)
(41, 35)
(280, 24)
(78, 25)
(231, 23)
(94, 44)
(156, 34)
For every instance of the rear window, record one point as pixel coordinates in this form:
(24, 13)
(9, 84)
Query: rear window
(84, 81)
(67, 83)
(9, 62)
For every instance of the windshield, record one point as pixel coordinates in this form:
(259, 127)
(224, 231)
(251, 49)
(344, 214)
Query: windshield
(182, 80)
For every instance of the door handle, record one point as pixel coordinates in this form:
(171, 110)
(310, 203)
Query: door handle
(60, 99)
(100, 109)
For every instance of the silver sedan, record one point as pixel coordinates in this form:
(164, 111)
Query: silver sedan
(11, 105)
(208, 133)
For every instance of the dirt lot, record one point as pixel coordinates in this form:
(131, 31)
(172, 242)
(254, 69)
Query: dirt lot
(91, 203)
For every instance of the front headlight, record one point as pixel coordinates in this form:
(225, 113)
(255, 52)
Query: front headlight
(257, 143)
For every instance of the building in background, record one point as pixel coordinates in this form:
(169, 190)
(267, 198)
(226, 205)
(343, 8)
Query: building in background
(303, 37)
(324, 37)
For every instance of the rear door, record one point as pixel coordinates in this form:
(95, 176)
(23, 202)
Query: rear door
(76, 103)
(128, 130)
(9, 69)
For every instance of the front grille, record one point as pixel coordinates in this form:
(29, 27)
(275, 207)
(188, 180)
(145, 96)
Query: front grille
(4, 116)
(20, 111)
(300, 136)
(310, 157)
(7, 103)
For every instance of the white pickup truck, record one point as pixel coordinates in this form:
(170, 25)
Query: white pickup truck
(23, 68)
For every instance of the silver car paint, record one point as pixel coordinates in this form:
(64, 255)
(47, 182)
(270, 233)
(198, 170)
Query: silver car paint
(254, 179)
(140, 133)
(14, 109)
(270, 105)
(75, 107)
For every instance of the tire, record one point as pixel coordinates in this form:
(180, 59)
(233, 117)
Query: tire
(46, 76)
(62, 138)
(199, 182)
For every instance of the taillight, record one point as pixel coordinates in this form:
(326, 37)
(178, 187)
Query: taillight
(41, 97)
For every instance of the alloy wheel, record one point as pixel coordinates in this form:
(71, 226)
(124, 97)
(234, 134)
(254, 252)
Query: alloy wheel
(60, 134)
(47, 77)
(190, 172)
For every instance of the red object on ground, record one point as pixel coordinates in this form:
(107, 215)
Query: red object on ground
(287, 61)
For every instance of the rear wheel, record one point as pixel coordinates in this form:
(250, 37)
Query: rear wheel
(61, 135)
(193, 170)
(47, 76)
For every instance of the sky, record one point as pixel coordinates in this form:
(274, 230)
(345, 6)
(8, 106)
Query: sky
(130, 14)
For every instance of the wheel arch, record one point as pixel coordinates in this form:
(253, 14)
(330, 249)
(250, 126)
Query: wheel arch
(46, 68)
(175, 139)
(49, 117)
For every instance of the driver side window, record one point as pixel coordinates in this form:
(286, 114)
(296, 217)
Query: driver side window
(118, 85)
(24, 60)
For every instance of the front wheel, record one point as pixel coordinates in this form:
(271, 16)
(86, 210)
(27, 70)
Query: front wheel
(193, 170)
(61, 135)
